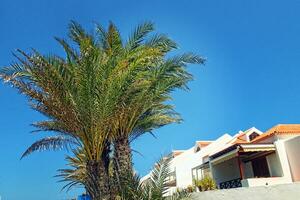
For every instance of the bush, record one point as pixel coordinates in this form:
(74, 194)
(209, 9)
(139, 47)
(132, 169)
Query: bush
(205, 184)
(190, 189)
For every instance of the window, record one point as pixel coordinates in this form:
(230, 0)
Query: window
(206, 172)
(201, 171)
(252, 136)
(196, 172)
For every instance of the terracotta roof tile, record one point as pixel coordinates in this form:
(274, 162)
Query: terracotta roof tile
(240, 141)
(280, 129)
(241, 135)
(203, 143)
(177, 153)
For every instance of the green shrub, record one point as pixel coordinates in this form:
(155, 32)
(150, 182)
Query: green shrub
(205, 184)
(190, 189)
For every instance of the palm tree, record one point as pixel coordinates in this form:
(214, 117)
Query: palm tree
(148, 110)
(103, 93)
(154, 188)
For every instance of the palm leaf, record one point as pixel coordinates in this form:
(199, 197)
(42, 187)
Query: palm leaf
(139, 34)
(49, 143)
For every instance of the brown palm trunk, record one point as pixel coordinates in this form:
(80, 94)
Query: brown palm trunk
(97, 183)
(123, 158)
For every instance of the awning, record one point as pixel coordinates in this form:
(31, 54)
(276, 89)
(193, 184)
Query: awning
(242, 148)
(256, 147)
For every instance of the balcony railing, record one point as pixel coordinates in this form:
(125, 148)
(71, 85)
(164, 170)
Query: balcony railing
(235, 183)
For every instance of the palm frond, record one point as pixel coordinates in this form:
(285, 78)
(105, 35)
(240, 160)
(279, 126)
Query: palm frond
(76, 32)
(53, 126)
(139, 34)
(161, 41)
(160, 174)
(75, 175)
(49, 143)
(155, 188)
(71, 52)
(114, 38)
(179, 195)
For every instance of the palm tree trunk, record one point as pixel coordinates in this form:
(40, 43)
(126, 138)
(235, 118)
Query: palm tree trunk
(123, 158)
(98, 185)
(97, 180)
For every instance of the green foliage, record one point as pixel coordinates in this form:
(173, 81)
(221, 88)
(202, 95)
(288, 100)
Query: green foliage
(154, 188)
(101, 80)
(76, 175)
(105, 88)
(190, 189)
(205, 184)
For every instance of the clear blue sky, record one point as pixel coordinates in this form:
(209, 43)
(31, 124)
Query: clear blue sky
(251, 77)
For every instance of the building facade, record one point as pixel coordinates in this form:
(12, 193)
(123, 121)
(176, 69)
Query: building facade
(249, 158)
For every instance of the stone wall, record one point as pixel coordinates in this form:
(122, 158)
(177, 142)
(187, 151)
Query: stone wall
(275, 192)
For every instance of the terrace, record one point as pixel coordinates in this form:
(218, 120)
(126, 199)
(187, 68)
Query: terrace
(245, 165)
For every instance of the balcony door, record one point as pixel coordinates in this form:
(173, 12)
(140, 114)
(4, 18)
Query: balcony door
(260, 167)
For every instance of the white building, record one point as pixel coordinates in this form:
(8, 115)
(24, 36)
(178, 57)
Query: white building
(250, 158)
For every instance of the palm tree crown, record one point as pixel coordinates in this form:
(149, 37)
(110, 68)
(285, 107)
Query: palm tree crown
(104, 92)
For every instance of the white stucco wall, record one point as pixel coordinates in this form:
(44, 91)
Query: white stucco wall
(182, 164)
(255, 182)
(283, 159)
(185, 162)
(274, 165)
(189, 159)
(292, 147)
(276, 192)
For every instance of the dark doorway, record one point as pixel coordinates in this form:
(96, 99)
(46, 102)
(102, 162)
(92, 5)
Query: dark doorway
(260, 167)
